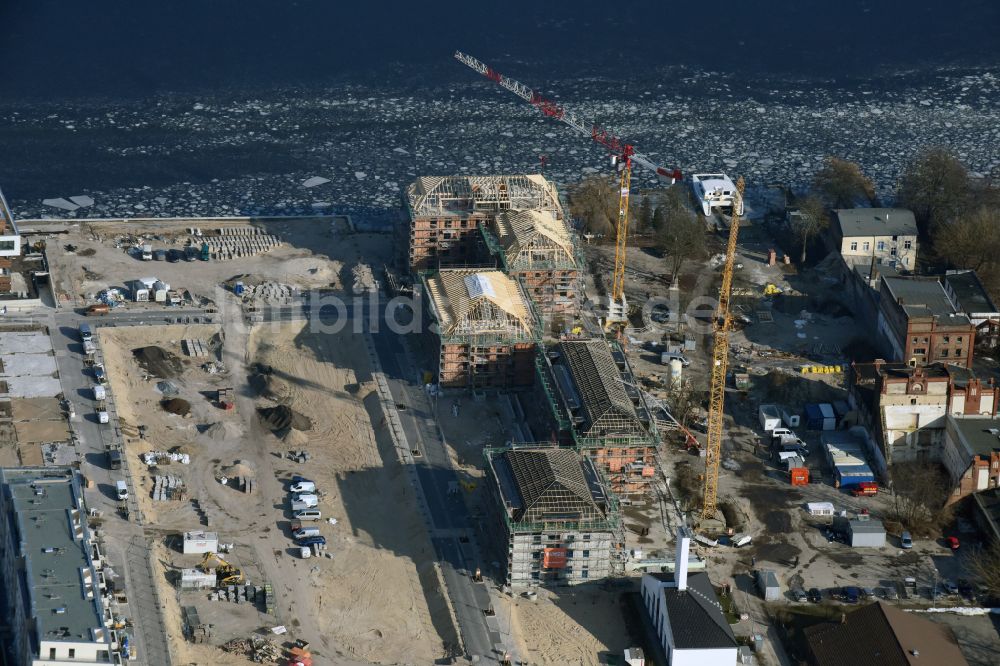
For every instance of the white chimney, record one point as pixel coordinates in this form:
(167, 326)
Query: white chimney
(681, 558)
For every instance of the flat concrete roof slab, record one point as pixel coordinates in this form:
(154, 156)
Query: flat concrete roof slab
(33, 387)
(26, 342)
(28, 365)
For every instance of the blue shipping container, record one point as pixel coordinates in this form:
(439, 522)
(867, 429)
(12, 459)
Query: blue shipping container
(851, 475)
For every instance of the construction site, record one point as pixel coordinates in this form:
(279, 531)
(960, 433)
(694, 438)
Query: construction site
(302, 483)
(487, 328)
(445, 215)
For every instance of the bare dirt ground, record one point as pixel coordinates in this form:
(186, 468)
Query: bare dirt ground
(578, 625)
(375, 597)
(375, 600)
(315, 253)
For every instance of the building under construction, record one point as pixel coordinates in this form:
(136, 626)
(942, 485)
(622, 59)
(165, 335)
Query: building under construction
(10, 245)
(559, 523)
(445, 214)
(536, 247)
(593, 394)
(487, 328)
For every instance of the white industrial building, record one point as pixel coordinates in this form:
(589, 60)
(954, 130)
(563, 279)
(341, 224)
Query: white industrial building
(686, 614)
(54, 606)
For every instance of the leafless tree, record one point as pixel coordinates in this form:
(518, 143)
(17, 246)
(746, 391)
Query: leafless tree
(595, 201)
(920, 491)
(971, 240)
(984, 564)
(935, 186)
(680, 234)
(812, 220)
(842, 183)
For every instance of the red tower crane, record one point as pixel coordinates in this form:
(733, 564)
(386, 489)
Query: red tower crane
(623, 155)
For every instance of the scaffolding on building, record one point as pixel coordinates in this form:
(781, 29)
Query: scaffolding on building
(434, 196)
(487, 327)
(558, 490)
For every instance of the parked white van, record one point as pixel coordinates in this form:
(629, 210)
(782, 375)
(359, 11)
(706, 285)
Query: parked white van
(121, 490)
(308, 514)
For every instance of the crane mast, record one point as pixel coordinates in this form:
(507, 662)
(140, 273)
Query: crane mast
(624, 154)
(720, 360)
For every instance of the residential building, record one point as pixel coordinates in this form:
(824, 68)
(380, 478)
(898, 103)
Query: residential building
(904, 406)
(970, 298)
(538, 249)
(885, 635)
(487, 329)
(971, 455)
(918, 323)
(556, 520)
(597, 398)
(54, 610)
(686, 614)
(987, 512)
(444, 214)
(885, 236)
(10, 244)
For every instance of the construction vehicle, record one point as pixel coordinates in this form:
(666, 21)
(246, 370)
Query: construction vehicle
(720, 360)
(623, 155)
(225, 573)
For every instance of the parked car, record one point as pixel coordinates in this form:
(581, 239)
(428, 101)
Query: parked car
(905, 540)
(173, 256)
(299, 479)
(798, 594)
(309, 500)
(868, 593)
(949, 586)
(850, 594)
(307, 514)
(312, 541)
(951, 542)
(303, 487)
(815, 595)
(966, 589)
(667, 357)
(99, 373)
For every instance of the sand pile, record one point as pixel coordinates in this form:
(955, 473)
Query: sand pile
(239, 468)
(222, 431)
(282, 417)
(158, 361)
(177, 406)
(295, 439)
(267, 385)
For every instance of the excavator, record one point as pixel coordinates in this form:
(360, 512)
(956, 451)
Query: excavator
(225, 573)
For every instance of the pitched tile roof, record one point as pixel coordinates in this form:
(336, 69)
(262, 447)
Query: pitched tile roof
(696, 618)
(882, 635)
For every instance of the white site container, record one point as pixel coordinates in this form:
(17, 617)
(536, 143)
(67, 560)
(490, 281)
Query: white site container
(201, 542)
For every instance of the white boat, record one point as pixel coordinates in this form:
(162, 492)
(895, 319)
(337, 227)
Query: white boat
(714, 190)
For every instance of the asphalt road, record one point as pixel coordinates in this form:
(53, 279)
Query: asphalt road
(452, 532)
(127, 541)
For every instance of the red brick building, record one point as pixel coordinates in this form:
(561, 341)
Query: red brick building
(444, 214)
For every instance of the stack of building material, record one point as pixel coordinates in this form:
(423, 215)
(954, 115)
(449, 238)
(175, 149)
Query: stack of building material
(194, 347)
(167, 487)
(236, 242)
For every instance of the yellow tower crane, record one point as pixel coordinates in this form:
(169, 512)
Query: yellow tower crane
(617, 307)
(720, 359)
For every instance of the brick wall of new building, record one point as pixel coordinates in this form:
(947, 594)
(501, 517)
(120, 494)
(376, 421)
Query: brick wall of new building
(446, 241)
